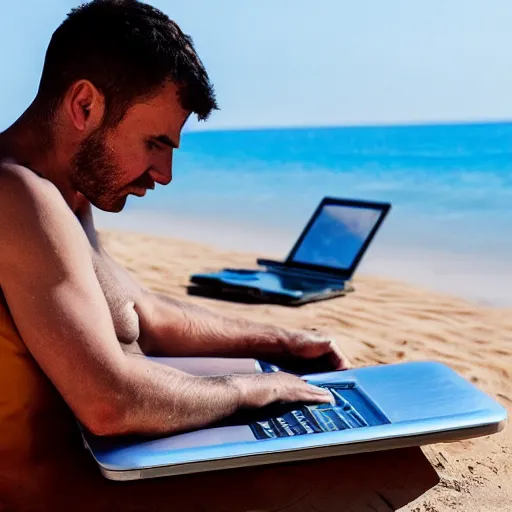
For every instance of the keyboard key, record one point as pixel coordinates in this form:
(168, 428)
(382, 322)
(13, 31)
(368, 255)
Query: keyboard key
(325, 420)
(310, 419)
(294, 424)
(263, 430)
(283, 424)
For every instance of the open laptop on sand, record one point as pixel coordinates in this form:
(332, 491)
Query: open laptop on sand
(376, 408)
(319, 266)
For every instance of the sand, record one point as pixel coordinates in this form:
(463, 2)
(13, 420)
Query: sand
(384, 321)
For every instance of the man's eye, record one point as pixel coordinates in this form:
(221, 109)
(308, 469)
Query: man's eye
(152, 146)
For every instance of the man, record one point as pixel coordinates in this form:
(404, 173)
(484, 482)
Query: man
(119, 82)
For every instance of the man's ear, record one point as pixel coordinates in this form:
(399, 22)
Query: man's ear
(85, 106)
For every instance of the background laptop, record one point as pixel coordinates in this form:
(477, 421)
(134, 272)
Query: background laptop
(321, 263)
(377, 408)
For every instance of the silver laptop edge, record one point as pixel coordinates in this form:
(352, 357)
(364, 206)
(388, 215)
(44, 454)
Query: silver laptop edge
(316, 452)
(423, 402)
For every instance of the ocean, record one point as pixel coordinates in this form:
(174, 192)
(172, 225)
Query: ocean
(450, 185)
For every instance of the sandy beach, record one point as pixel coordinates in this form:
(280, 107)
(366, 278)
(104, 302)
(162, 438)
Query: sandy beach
(384, 321)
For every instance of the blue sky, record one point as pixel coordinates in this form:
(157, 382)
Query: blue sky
(303, 63)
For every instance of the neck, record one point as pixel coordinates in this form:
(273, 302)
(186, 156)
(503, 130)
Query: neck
(28, 143)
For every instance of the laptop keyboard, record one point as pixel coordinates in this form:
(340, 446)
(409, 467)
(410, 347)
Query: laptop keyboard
(352, 410)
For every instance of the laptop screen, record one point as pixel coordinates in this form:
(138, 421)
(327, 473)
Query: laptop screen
(336, 236)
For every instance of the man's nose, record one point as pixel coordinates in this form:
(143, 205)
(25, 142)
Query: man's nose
(163, 174)
(164, 178)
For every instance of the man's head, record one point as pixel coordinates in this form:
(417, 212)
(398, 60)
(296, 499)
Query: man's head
(119, 81)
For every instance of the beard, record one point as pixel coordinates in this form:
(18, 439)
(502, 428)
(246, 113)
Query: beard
(96, 174)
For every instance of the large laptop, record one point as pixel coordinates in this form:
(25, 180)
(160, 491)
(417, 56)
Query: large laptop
(377, 408)
(319, 266)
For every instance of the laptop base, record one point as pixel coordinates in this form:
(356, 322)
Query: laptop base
(277, 284)
(382, 407)
(249, 296)
(304, 455)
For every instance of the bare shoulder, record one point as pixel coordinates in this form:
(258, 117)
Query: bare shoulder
(17, 183)
(33, 216)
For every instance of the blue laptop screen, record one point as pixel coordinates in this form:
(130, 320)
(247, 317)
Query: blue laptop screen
(336, 236)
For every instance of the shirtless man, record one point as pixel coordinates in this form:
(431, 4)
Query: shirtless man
(119, 82)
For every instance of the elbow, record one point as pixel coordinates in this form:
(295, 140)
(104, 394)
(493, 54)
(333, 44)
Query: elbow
(104, 417)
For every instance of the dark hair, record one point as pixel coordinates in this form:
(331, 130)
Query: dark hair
(127, 49)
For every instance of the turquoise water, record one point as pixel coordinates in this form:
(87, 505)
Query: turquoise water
(450, 185)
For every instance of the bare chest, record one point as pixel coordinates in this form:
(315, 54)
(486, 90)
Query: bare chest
(117, 289)
(120, 300)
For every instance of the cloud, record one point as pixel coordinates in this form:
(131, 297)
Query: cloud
(358, 221)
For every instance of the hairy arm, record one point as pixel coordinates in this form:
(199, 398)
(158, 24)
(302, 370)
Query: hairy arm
(174, 328)
(48, 279)
(178, 328)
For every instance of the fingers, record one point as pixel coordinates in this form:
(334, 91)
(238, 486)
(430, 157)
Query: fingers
(328, 348)
(337, 358)
(294, 389)
(311, 346)
(321, 394)
(309, 352)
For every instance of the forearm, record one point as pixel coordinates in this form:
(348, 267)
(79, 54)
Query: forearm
(156, 399)
(153, 399)
(175, 328)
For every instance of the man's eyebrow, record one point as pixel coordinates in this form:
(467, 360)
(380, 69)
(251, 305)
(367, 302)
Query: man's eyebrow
(165, 140)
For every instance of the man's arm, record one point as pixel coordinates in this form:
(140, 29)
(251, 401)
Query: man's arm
(49, 283)
(175, 328)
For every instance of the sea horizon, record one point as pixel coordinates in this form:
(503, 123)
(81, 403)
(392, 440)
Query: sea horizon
(203, 127)
(450, 186)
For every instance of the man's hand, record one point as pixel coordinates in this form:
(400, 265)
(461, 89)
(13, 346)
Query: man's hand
(261, 390)
(172, 328)
(308, 352)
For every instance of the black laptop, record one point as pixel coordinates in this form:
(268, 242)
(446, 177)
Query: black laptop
(319, 266)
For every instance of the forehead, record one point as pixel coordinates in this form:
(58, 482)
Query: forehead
(161, 114)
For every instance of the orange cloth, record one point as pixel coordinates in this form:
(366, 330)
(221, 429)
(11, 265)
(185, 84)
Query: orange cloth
(43, 463)
(37, 430)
